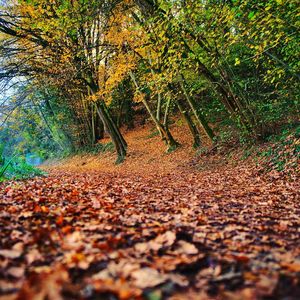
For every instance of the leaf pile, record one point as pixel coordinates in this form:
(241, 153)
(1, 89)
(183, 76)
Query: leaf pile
(222, 234)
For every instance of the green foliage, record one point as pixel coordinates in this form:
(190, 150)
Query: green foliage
(95, 149)
(154, 132)
(2, 159)
(17, 168)
(238, 62)
(108, 147)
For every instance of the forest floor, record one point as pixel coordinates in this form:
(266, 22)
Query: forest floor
(157, 226)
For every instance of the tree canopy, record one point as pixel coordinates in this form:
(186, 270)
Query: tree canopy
(230, 68)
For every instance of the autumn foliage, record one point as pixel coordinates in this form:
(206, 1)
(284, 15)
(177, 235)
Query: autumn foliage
(169, 135)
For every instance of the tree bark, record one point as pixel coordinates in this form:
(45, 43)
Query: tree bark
(113, 131)
(193, 128)
(115, 136)
(164, 133)
(200, 118)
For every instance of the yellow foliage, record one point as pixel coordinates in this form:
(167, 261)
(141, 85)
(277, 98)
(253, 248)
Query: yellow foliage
(138, 97)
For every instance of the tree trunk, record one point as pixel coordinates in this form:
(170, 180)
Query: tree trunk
(158, 109)
(99, 128)
(114, 134)
(190, 123)
(200, 118)
(113, 131)
(231, 102)
(165, 134)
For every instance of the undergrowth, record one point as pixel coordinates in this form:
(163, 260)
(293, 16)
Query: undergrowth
(16, 168)
(95, 149)
(279, 153)
(282, 152)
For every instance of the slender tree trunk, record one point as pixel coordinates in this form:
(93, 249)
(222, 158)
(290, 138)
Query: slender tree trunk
(158, 109)
(159, 102)
(86, 120)
(113, 131)
(193, 128)
(166, 115)
(93, 124)
(200, 118)
(166, 124)
(165, 134)
(231, 102)
(115, 137)
(114, 126)
(98, 126)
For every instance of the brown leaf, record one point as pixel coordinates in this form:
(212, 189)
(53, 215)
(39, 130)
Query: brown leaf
(186, 248)
(12, 254)
(44, 285)
(147, 277)
(32, 256)
(166, 239)
(16, 272)
(294, 267)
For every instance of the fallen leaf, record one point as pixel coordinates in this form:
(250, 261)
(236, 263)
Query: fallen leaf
(147, 277)
(10, 253)
(16, 272)
(184, 247)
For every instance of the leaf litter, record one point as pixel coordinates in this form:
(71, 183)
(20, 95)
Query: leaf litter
(228, 233)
